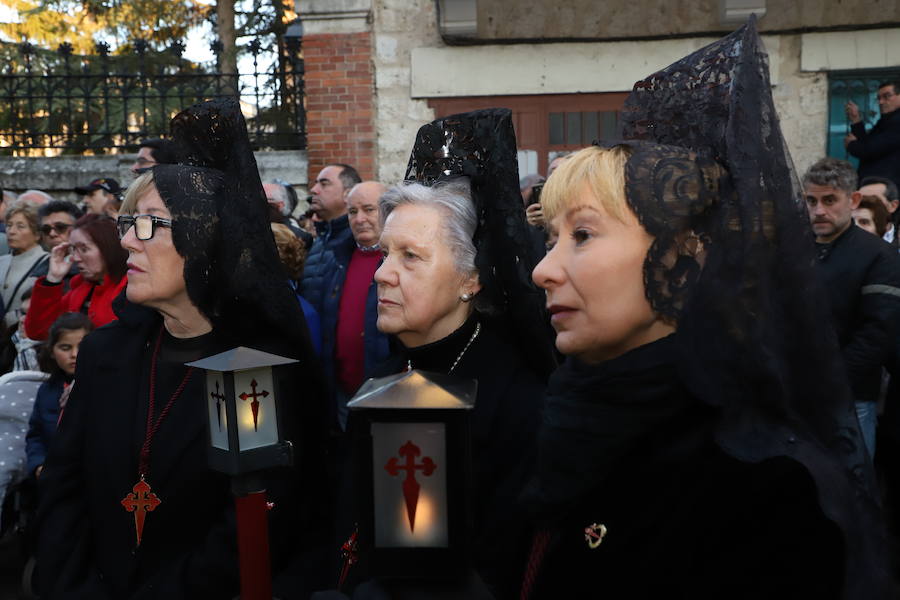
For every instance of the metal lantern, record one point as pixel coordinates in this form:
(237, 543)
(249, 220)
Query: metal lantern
(243, 390)
(413, 463)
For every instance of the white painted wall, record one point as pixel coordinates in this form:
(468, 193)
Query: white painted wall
(446, 71)
(847, 50)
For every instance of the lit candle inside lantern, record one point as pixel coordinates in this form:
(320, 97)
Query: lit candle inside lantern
(428, 531)
(410, 484)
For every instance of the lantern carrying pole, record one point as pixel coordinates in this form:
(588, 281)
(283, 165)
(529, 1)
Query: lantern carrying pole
(253, 537)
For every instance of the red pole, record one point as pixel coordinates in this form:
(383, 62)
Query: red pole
(253, 546)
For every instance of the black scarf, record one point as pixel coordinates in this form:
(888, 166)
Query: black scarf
(596, 415)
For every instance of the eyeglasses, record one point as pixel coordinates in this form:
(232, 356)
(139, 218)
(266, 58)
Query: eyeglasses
(59, 228)
(144, 225)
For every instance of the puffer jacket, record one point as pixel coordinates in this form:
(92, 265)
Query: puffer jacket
(321, 262)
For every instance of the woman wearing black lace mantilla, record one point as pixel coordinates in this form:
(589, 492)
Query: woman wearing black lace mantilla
(203, 277)
(454, 289)
(699, 442)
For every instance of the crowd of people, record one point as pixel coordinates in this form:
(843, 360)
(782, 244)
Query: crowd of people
(680, 361)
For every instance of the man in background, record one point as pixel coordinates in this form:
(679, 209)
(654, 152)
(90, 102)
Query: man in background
(877, 149)
(56, 220)
(861, 276)
(100, 194)
(153, 151)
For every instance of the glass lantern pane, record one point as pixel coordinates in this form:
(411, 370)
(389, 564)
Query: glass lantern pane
(255, 404)
(410, 485)
(218, 418)
(557, 124)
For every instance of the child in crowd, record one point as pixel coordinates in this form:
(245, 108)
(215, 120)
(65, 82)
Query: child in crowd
(58, 358)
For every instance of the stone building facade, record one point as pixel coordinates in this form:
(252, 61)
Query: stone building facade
(564, 68)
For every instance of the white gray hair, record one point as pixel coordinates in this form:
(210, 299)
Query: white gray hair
(454, 200)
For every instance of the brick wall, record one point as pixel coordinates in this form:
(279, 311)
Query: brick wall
(340, 111)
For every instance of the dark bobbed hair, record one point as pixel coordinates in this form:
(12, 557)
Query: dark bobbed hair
(58, 206)
(162, 151)
(879, 212)
(102, 230)
(70, 321)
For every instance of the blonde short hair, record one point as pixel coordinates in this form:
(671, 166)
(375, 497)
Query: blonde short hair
(602, 170)
(136, 190)
(27, 210)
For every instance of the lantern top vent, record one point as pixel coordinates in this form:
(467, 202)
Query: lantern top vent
(240, 359)
(416, 389)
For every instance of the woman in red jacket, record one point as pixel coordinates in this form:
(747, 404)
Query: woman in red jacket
(94, 247)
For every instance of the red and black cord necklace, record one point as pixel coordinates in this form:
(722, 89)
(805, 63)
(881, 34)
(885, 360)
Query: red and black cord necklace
(141, 499)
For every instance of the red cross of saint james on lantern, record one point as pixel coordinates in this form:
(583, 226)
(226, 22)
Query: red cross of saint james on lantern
(254, 403)
(410, 485)
(219, 397)
(140, 501)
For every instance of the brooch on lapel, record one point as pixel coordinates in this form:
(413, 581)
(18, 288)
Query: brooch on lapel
(594, 534)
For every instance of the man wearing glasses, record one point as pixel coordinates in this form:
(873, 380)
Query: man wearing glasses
(152, 152)
(878, 149)
(57, 218)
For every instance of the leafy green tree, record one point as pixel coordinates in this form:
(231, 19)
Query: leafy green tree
(82, 23)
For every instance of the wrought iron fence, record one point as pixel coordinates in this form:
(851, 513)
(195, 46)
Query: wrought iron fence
(56, 102)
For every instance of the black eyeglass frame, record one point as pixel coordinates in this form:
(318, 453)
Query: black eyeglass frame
(126, 222)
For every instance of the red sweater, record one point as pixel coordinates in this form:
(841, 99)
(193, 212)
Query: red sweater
(48, 302)
(349, 351)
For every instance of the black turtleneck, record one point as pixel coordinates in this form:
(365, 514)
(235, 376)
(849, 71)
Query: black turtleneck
(439, 356)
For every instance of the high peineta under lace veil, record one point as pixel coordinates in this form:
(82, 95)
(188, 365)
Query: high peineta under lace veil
(732, 264)
(215, 194)
(480, 146)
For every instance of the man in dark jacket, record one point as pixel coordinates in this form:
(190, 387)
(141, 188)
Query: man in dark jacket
(878, 150)
(862, 278)
(329, 203)
(344, 257)
(351, 343)
(886, 191)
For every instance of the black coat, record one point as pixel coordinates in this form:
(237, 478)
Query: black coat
(861, 275)
(625, 446)
(687, 521)
(87, 539)
(878, 150)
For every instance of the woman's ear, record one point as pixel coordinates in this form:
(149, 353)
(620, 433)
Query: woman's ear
(471, 285)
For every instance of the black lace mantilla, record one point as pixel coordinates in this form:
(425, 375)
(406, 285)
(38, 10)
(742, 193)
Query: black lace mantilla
(221, 227)
(710, 177)
(481, 146)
